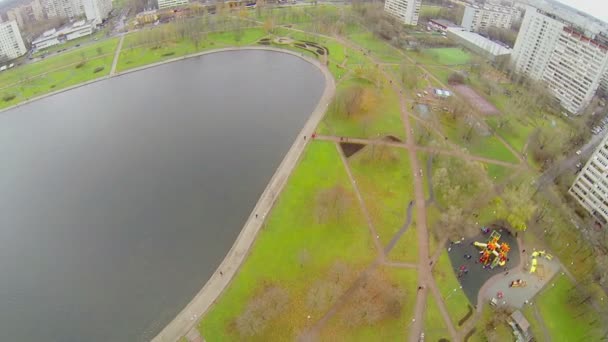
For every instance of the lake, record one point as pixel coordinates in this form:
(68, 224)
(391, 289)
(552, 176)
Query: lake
(120, 198)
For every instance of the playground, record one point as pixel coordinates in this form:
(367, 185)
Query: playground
(474, 261)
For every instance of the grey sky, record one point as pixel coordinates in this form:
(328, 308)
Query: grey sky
(597, 8)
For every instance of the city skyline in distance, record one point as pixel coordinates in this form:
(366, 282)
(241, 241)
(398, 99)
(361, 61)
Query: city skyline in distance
(593, 8)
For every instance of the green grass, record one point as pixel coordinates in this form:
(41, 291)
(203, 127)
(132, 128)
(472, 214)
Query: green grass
(292, 228)
(430, 11)
(434, 324)
(455, 300)
(498, 173)
(66, 60)
(484, 146)
(134, 54)
(56, 73)
(384, 178)
(383, 119)
(516, 132)
(565, 321)
(446, 56)
(379, 48)
(388, 329)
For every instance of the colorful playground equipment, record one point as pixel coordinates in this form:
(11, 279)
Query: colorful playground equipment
(493, 252)
(534, 266)
(518, 283)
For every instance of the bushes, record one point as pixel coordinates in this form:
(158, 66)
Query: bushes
(167, 54)
(8, 97)
(80, 64)
(98, 69)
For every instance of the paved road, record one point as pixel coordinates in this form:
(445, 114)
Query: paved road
(569, 163)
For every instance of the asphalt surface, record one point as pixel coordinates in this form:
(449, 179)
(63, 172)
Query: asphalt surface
(472, 281)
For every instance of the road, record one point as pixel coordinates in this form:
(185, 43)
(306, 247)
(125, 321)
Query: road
(569, 163)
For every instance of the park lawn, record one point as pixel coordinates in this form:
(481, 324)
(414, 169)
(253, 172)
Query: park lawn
(498, 173)
(295, 249)
(516, 132)
(433, 214)
(383, 119)
(340, 327)
(10, 78)
(379, 48)
(502, 332)
(456, 301)
(385, 181)
(132, 55)
(443, 56)
(395, 71)
(406, 248)
(442, 73)
(564, 321)
(424, 134)
(483, 146)
(56, 80)
(429, 11)
(434, 325)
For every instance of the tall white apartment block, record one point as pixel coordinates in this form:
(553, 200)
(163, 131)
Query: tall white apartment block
(162, 4)
(37, 9)
(16, 14)
(406, 11)
(477, 18)
(570, 61)
(11, 43)
(97, 10)
(590, 187)
(575, 69)
(63, 8)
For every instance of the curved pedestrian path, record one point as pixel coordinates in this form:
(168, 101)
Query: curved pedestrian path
(187, 319)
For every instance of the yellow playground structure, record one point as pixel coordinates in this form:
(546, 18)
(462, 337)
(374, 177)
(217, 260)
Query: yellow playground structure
(493, 252)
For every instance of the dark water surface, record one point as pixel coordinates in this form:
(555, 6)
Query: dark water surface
(119, 199)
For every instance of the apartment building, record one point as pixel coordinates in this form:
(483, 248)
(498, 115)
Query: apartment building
(15, 14)
(162, 4)
(569, 59)
(97, 11)
(590, 187)
(63, 8)
(11, 43)
(480, 18)
(406, 11)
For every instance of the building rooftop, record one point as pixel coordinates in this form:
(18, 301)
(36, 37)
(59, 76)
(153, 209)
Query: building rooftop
(53, 33)
(482, 42)
(443, 22)
(520, 320)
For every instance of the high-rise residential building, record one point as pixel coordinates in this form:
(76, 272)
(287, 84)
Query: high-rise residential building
(162, 4)
(63, 8)
(11, 43)
(590, 187)
(16, 14)
(37, 10)
(97, 10)
(480, 18)
(569, 59)
(406, 11)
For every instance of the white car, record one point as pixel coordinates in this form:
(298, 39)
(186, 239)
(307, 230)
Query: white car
(578, 153)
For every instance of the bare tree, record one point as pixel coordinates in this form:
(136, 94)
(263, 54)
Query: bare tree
(261, 310)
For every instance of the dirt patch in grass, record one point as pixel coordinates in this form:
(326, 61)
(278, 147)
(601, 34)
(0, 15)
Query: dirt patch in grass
(476, 100)
(392, 138)
(350, 149)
